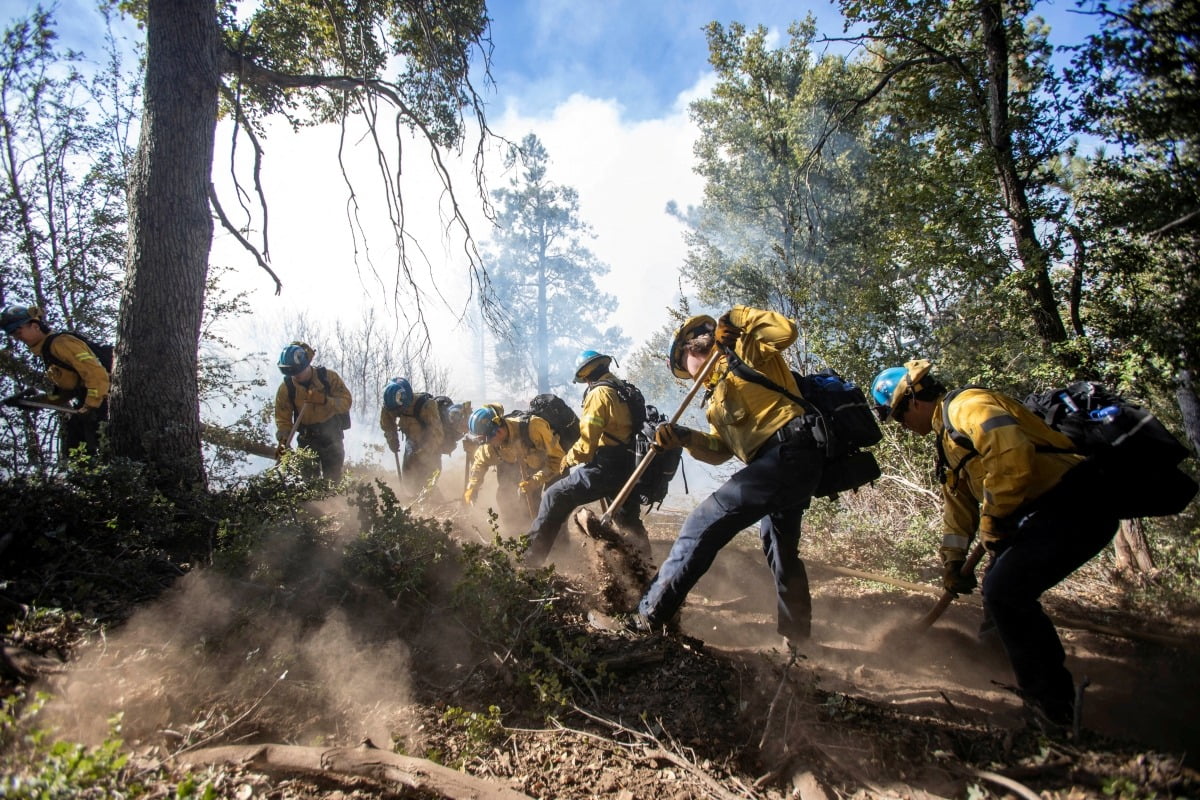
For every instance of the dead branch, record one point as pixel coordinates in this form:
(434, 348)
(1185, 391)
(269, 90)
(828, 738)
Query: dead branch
(229, 226)
(366, 760)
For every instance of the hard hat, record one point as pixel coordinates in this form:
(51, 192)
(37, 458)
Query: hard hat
(397, 394)
(587, 362)
(484, 422)
(14, 317)
(295, 357)
(895, 383)
(689, 330)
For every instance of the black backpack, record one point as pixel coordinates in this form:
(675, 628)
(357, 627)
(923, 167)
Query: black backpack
(843, 423)
(103, 352)
(633, 399)
(652, 486)
(343, 419)
(563, 421)
(454, 418)
(1132, 460)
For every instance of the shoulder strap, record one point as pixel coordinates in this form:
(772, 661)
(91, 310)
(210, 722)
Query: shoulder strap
(48, 356)
(748, 373)
(324, 378)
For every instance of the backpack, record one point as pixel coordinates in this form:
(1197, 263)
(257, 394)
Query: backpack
(633, 399)
(103, 352)
(843, 423)
(563, 421)
(1131, 459)
(454, 418)
(343, 419)
(652, 486)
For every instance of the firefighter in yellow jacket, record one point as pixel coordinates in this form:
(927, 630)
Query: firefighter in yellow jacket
(519, 445)
(79, 381)
(771, 435)
(1003, 473)
(315, 401)
(418, 418)
(603, 455)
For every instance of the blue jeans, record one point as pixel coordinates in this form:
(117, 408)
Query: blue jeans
(602, 477)
(1049, 544)
(775, 488)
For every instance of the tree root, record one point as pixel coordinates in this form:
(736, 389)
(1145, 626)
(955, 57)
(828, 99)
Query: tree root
(366, 760)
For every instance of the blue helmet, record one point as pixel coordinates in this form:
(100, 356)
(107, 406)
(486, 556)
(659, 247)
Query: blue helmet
(397, 394)
(587, 362)
(295, 357)
(484, 422)
(14, 317)
(895, 383)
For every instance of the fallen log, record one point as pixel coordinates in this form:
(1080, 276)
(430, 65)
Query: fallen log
(224, 437)
(366, 760)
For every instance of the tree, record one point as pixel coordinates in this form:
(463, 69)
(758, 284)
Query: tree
(545, 278)
(63, 155)
(1139, 83)
(309, 64)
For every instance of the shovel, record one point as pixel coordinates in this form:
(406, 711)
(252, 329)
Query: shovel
(948, 596)
(620, 499)
(287, 443)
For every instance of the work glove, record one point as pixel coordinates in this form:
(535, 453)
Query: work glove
(671, 437)
(469, 496)
(394, 445)
(727, 333)
(280, 450)
(953, 579)
(524, 486)
(316, 397)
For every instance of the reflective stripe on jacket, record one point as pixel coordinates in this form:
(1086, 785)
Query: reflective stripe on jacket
(87, 377)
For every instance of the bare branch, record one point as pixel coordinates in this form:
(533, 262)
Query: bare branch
(229, 226)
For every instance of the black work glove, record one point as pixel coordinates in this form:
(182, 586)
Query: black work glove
(727, 333)
(671, 437)
(953, 579)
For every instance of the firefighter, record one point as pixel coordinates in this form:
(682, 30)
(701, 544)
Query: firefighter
(765, 430)
(522, 447)
(603, 456)
(1002, 471)
(316, 403)
(418, 418)
(79, 379)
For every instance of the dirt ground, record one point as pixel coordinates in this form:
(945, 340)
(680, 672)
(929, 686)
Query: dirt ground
(871, 708)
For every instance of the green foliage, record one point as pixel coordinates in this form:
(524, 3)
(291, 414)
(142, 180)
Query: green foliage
(482, 729)
(546, 278)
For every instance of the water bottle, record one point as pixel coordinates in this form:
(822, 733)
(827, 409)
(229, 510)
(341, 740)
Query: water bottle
(1068, 402)
(1106, 414)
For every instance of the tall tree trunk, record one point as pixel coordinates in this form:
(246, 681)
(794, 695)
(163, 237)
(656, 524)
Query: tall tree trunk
(1189, 406)
(155, 399)
(1035, 261)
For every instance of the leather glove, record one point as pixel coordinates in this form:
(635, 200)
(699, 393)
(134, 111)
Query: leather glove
(524, 486)
(469, 496)
(727, 333)
(279, 451)
(671, 437)
(953, 579)
(394, 445)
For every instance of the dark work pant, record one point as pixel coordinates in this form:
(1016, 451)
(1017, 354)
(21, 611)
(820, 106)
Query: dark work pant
(1048, 545)
(774, 489)
(82, 429)
(419, 468)
(602, 477)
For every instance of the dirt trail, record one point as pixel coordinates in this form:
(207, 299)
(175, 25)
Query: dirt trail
(865, 645)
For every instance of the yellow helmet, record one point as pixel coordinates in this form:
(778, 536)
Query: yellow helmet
(693, 327)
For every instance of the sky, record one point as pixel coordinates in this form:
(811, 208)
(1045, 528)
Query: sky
(605, 84)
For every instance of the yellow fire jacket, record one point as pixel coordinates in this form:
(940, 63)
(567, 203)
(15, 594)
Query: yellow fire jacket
(424, 430)
(321, 404)
(542, 460)
(87, 372)
(981, 490)
(743, 415)
(604, 422)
